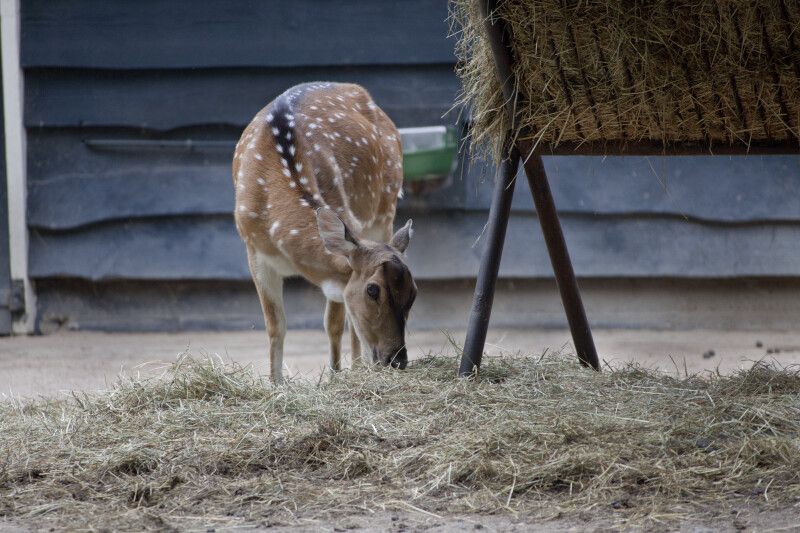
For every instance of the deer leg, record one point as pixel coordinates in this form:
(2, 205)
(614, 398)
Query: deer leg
(334, 327)
(269, 285)
(355, 348)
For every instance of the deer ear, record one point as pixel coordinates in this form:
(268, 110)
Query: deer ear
(402, 237)
(336, 237)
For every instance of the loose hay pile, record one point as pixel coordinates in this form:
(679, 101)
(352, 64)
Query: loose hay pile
(211, 444)
(726, 71)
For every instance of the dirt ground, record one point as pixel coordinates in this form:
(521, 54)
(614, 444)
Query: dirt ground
(417, 522)
(48, 365)
(54, 364)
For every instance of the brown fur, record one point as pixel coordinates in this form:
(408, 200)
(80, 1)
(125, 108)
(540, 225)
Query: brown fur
(349, 160)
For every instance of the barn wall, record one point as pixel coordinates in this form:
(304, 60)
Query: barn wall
(104, 80)
(5, 255)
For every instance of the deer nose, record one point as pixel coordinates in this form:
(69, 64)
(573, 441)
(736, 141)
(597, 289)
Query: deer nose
(400, 359)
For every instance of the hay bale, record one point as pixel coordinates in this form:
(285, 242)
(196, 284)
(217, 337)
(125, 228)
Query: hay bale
(654, 70)
(211, 444)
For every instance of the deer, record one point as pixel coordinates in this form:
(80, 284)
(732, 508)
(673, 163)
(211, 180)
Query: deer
(317, 174)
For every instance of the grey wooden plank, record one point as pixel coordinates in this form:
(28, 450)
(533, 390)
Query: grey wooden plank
(79, 185)
(56, 152)
(206, 33)
(710, 188)
(764, 304)
(613, 246)
(5, 252)
(127, 305)
(209, 248)
(5, 321)
(412, 95)
(188, 248)
(75, 200)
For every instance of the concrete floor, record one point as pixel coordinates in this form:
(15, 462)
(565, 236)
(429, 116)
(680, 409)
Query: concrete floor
(60, 362)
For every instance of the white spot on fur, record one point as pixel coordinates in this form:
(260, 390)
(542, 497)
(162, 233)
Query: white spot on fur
(258, 156)
(274, 227)
(294, 232)
(332, 290)
(287, 173)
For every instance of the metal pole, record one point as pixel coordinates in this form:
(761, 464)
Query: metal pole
(562, 266)
(500, 41)
(490, 265)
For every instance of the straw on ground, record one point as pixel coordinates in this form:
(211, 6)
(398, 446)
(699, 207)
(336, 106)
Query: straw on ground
(213, 444)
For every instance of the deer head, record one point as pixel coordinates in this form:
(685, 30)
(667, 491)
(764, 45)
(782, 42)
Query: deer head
(380, 292)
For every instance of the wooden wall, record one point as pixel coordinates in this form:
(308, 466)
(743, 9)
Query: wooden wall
(100, 72)
(5, 259)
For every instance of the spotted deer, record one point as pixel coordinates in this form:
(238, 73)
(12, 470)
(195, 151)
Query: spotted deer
(317, 175)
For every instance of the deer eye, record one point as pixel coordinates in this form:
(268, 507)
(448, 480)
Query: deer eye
(373, 291)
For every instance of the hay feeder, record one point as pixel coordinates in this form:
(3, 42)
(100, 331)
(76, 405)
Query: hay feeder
(610, 77)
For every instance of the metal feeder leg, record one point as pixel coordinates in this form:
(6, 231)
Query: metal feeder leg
(500, 40)
(490, 264)
(562, 266)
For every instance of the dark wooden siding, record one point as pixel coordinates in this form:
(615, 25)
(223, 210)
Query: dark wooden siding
(5, 266)
(99, 71)
(151, 34)
(158, 100)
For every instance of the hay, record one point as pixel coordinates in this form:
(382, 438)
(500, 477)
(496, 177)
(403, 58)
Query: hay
(652, 70)
(211, 444)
